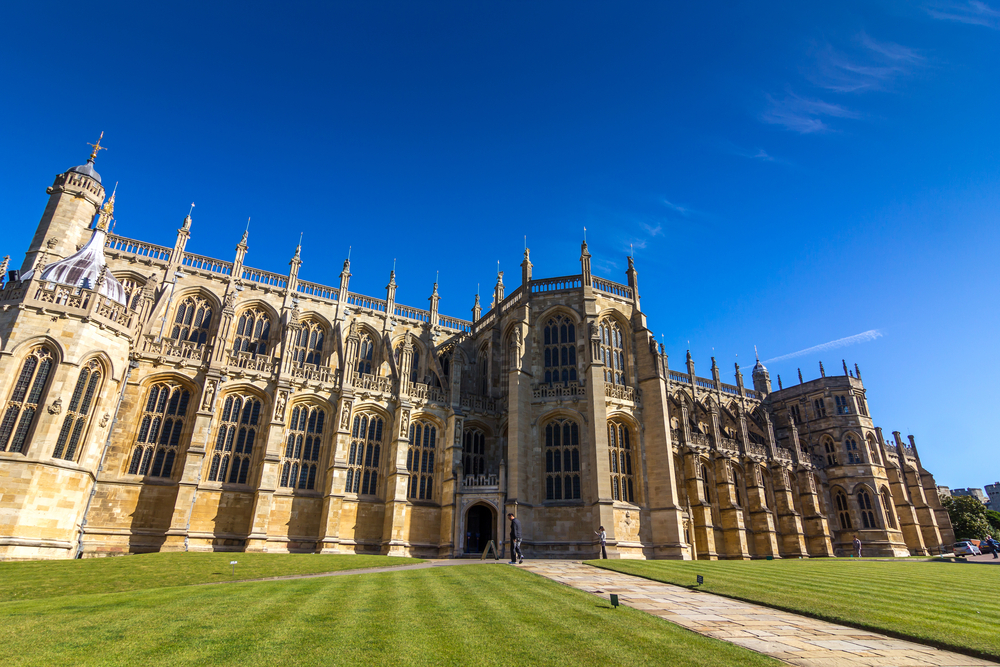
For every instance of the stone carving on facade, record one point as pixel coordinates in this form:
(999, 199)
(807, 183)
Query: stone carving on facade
(209, 395)
(404, 423)
(105, 419)
(757, 475)
(279, 406)
(345, 416)
(229, 308)
(56, 407)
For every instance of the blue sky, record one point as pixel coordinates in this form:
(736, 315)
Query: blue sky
(788, 175)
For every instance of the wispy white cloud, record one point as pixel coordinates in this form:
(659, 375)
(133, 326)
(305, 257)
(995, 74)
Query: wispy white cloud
(863, 337)
(803, 115)
(677, 208)
(873, 66)
(652, 230)
(972, 12)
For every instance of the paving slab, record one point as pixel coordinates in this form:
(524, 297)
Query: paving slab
(794, 639)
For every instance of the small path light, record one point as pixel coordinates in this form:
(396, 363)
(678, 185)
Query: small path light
(233, 563)
(614, 600)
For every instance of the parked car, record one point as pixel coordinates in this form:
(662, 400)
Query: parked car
(967, 549)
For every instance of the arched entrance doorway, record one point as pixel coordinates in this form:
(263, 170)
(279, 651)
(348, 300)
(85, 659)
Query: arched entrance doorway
(480, 528)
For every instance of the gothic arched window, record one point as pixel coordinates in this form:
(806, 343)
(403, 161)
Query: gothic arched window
(559, 349)
(366, 353)
(362, 461)
(483, 369)
(234, 443)
(562, 460)
(620, 448)
(831, 452)
(28, 395)
(420, 459)
(300, 461)
(474, 452)
(889, 507)
(88, 386)
(160, 427)
(253, 329)
(867, 513)
(843, 513)
(612, 351)
(192, 321)
(414, 361)
(872, 448)
(705, 483)
(307, 344)
(133, 292)
(851, 447)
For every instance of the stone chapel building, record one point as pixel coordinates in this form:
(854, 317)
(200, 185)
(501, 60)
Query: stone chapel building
(159, 400)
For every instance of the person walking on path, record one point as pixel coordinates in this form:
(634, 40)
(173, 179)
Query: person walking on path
(604, 541)
(515, 540)
(857, 546)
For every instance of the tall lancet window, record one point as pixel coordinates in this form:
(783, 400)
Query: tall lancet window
(362, 459)
(192, 321)
(28, 395)
(559, 344)
(366, 353)
(620, 450)
(234, 443)
(483, 370)
(612, 351)
(253, 329)
(474, 451)
(562, 460)
(307, 344)
(414, 361)
(420, 459)
(300, 462)
(160, 428)
(88, 386)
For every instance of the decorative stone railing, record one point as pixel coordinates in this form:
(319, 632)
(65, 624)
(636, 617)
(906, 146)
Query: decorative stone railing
(732, 390)
(454, 323)
(556, 284)
(248, 361)
(362, 301)
(317, 291)
(73, 301)
(364, 381)
(729, 446)
(620, 392)
(753, 449)
(265, 278)
(783, 453)
(559, 390)
(208, 264)
(477, 403)
(679, 377)
(173, 349)
(491, 481)
(120, 244)
(700, 439)
(312, 373)
(422, 392)
(613, 288)
(415, 314)
(677, 435)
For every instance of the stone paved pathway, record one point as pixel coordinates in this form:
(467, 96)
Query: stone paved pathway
(794, 639)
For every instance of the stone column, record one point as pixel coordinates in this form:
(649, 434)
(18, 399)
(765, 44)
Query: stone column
(395, 531)
(269, 474)
(335, 480)
(703, 528)
(733, 526)
(793, 538)
(761, 517)
(814, 522)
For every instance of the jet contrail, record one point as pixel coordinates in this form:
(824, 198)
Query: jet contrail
(871, 334)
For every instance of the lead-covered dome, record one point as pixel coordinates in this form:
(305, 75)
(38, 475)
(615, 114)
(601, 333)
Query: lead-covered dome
(86, 170)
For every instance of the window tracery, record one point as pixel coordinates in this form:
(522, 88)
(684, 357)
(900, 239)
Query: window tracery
(559, 349)
(192, 321)
(362, 461)
(414, 361)
(300, 460)
(851, 447)
(483, 368)
(133, 292)
(29, 393)
(235, 440)
(843, 512)
(843, 406)
(612, 351)
(620, 448)
(420, 459)
(474, 451)
(562, 460)
(158, 441)
(253, 330)
(307, 344)
(867, 513)
(366, 354)
(887, 504)
(831, 452)
(88, 386)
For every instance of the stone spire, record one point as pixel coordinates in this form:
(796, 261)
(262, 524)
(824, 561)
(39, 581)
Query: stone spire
(822, 371)
(241, 253)
(390, 292)
(633, 281)
(477, 310)
(585, 260)
(526, 268)
(293, 267)
(435, 300)
(498, 290)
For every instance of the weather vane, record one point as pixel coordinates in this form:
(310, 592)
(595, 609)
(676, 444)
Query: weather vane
(97, 147)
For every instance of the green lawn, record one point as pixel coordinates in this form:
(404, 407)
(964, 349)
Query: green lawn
(946, 604)
(464, 615)
(38, 579)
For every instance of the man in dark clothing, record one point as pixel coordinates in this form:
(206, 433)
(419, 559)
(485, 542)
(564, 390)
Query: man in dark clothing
(515, 540)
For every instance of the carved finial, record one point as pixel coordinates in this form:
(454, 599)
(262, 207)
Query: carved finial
(187, 218)
(845, 366)
(779, 383)
(97, 147)
(800, 376)
(755, 353)
(3, 267)
(107, 211)
(822, 371)
(857, 372)
(246, 233)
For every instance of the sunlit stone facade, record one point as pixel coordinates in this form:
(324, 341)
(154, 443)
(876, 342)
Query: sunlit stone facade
(211, 406)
